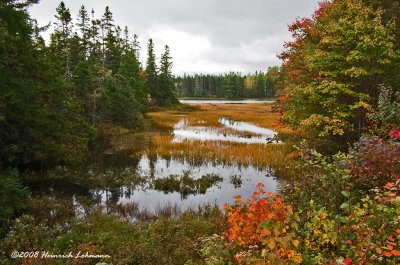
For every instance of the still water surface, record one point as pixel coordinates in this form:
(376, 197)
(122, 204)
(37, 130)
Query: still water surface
(257, 135)
(158, 181)
(219, 193)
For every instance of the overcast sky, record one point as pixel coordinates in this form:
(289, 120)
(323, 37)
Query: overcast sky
(205, 36)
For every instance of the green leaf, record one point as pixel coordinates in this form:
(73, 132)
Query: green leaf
(344, 206)
(346, 194)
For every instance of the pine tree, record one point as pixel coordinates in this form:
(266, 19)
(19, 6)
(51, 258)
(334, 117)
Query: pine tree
(61, 37)
(260, 85)
(93, 35)
(39, 121)
(130, 70)
(151, 73)
(84, 26)
(166, 80)
(136, 46)
(108, 37)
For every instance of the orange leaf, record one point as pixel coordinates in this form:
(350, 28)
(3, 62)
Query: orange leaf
(265, 233)
(387, 254)
(396, 252)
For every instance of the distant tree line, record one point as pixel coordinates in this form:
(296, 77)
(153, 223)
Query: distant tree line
(230, 85)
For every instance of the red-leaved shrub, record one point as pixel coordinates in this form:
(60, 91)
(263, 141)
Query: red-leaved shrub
(375, 162)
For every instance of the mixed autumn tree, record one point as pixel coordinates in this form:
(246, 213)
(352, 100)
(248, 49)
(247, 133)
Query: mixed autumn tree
(334, 67)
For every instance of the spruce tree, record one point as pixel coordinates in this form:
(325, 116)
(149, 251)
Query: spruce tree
(151, 73)
(83, 25)
(166, 80)
(40, 125)
(61, 38)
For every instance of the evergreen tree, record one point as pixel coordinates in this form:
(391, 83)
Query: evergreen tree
(61, 38)
(136, 46)
(34, 99)
(151, 73)
(166, 83)
(94, 38)
(84, 26)
(231, 85)
(130, 71)
(260, 89)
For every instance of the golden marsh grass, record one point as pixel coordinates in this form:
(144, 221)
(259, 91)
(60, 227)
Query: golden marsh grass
(274, 156)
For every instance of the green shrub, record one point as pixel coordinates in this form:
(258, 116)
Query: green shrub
(14, 198)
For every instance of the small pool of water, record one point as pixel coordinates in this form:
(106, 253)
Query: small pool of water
(155, 182)
(221, 192)
(247, 127)
(258, 135)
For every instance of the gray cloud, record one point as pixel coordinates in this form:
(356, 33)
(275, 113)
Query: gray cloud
(210, 36)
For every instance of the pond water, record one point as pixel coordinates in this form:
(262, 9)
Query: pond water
(257, 135)
(224, 101)
(150, 183)
(232, 180)
(153, 183)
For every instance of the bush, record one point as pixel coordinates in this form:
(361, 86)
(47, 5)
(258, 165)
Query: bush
(265, 231)
(14, 198)
(375, 162)
(370, 232)
(387, 115)
(260, 228)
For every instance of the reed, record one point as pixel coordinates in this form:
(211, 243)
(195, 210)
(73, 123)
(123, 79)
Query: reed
(274, 156)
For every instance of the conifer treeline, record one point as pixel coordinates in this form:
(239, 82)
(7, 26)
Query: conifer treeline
(231, 85)
(101, 62)
(52, 97)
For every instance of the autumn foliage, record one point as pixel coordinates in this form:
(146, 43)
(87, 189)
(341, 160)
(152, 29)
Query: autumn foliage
(375, 162)
(372, 229)
(262, 222)
(332, 70)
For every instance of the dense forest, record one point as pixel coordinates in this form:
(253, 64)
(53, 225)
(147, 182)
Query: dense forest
(89, 74)
(53, 97)
(231, 85)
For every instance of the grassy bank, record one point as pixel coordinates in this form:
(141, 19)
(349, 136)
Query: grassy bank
(163, 241)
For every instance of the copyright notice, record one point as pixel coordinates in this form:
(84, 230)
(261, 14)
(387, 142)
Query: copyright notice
(49, 255)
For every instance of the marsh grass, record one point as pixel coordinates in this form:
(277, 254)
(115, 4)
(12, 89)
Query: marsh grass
(236, 180)
(112, 139)
(259, 114)
(274, 156)
(133, 212)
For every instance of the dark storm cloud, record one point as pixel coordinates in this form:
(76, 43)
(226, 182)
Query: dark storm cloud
(204, 36)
